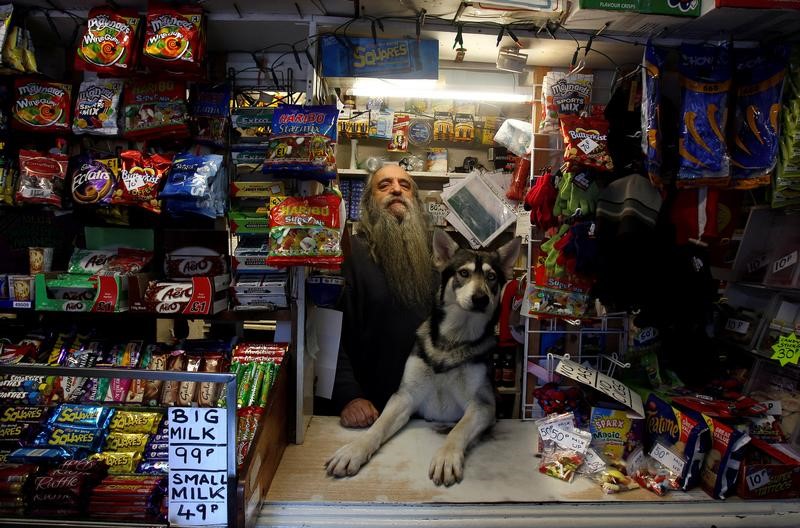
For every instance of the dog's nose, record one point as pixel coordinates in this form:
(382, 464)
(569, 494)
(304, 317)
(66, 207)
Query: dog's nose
(479, 302)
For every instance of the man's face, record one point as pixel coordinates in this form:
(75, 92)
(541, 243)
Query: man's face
(392, 189)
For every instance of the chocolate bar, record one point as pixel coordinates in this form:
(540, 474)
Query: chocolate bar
(188, 266)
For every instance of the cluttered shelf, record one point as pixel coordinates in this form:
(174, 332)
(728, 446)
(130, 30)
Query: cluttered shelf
(414, 174)
(280, 314)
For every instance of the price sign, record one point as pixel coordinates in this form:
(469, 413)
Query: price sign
(669, 459)
(784, 262)
(198, 466)
(592, 463)
(787, 349)
(757, 263)
(757, 479)
(605, 384)
(737, 325)
(566, 439)
(636, 459)
(774, 407)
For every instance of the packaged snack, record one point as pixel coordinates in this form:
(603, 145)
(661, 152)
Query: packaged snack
(564, 94)
(705, 82)
(152, 388)
(655, 477)
(36, 455)
(682, 433)
(126, 442)
(135, 421)
(174, 38)
(586, 142)
(70, 436)
(140, 180)
(208, 392)
(41, 177)
(176, 362)
(252, 126)
(97, 108)
(187, 389)
(14, 60)
(127, 261)
(302, 142)
(155, 109)
(118, 461)
(109, 44)
(399, 141)
(89, 416)
(651, 112)
(246, 427)
(614, 481)
(8, 181)
(191, 177)
(211, 113)
(93, 180)
(89, 261)
(758, 78)
(23, 413)
(41, 106)
(721, 465)
(306, 231)
(188, 266)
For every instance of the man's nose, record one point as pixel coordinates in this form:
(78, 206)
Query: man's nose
(396, 188)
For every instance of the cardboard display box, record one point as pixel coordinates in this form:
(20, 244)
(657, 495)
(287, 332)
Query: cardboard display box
(107, 293)
(770, 471)
(198, 296)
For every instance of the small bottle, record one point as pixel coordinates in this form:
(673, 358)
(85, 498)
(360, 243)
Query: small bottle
(509, 372)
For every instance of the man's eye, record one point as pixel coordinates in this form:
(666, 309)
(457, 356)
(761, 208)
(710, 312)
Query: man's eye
(463, 273)
(491, 275)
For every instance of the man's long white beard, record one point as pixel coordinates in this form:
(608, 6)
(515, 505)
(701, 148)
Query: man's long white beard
(401, 248)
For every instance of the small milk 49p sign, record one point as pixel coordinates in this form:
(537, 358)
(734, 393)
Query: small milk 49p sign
(198, 470)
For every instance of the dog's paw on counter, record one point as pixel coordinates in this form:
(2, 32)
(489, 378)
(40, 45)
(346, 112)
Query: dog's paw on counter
(447, 466)
(348, 459)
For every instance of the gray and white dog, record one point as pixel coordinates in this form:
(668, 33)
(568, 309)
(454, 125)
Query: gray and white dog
(446, 375)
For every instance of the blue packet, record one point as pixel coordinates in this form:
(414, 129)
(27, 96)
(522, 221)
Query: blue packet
(37, 455)
(759, 86)
(653, 65)
(191, 177)
(302, 142)
(705, 82)
(211, 111)
(81, 415)
(70, 436)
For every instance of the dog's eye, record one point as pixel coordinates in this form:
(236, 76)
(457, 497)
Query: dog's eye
(491, 275)
(463, 273)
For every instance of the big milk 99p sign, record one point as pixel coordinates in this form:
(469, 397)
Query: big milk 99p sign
(198, 470)
(385, 58)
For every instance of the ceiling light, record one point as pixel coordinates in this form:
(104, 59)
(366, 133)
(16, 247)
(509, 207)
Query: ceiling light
(421, 89)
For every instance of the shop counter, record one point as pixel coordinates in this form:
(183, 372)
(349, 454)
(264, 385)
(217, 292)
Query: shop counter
(502, 487)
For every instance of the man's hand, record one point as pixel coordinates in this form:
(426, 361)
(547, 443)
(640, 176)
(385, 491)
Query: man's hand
(359, 413)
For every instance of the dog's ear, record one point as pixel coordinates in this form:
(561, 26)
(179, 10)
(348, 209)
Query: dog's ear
(444, 248)
(508, 253)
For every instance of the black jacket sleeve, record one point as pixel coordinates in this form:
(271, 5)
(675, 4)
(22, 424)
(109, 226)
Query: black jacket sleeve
(346, 388)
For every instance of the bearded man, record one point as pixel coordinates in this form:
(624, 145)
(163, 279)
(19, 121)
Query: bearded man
(389, 286)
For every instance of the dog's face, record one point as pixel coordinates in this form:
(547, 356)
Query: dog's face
(473, 279)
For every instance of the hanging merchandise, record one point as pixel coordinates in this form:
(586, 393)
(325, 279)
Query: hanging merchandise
(399, 141)
(140, 180)
(41, 177)
(540, 200)
(306, 231)
(651, 112)
(109, 44)
(41, 106)
(195, 186)
(758, 78)
(786, 180)
(211, 113)
(174, 38)
(519, 179)
(97, 108)
(155, 110)
(8, 181)
(564, 94)
(302, 142)
(586, 142)
(93, 180)
(705, 82)
(16, 44)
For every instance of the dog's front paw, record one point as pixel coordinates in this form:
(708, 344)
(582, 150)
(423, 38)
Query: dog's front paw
(348, 459)
(447, 466)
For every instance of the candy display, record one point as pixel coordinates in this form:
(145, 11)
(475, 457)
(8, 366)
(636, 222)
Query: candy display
(302, 142)
(93, 180)
(41, 178)
(306, 231)
(140, 179)
(562, 95)
(174, 38)
(155, 110)
(586, 142)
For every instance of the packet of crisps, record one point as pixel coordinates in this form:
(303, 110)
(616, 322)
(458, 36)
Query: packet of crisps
(97, 107)
(93, 180)
(109, 44)
(41, 106)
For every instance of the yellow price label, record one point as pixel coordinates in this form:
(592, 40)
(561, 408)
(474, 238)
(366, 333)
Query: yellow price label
(787, 349)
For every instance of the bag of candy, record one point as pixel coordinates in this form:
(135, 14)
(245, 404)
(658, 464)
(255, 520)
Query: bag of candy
(8, 181)
(705, 83)
(586, 142)
(109, 44)
(302, 142)
(563, 448)
(41, 106)
(174, 38)
(97, 108)
(306, 231)
(155, 109)
(93, 180)
(140, 180)
(758, 78)
(564, 94)
(211, 114)
(41, 177)
(194, 185)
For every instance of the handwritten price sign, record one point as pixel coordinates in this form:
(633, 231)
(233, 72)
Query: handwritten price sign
(605, 384)
(787, 349)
